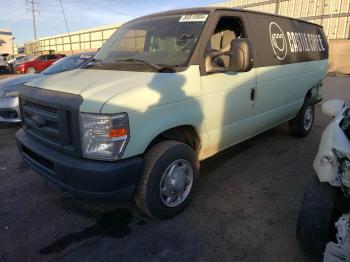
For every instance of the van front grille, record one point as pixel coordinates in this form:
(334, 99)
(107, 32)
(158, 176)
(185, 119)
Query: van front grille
(52, 118)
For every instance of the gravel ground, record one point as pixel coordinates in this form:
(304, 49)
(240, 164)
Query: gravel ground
(244, 209)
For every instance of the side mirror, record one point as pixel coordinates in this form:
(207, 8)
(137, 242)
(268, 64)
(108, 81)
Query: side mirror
(333, 107)
(241, 57)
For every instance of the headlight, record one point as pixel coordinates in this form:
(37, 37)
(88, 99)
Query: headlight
(10, 93)
(103, 137)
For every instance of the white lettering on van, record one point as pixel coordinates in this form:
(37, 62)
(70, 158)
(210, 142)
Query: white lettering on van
(298, 42)
(305, 42)
(291, 45)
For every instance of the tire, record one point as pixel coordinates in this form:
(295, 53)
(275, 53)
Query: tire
(30, 70)
(158, 160)
(302, 124)
(317, 215)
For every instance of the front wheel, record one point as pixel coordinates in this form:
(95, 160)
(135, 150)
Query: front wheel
(317, 214)
(302, 124)
(166, 184)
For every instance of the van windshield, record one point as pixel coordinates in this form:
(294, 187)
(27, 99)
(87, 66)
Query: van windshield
(162, 41)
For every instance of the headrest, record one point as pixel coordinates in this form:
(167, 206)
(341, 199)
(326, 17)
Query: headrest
(227, 38)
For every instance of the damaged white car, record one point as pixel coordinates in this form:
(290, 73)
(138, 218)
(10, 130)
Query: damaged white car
(326, 199)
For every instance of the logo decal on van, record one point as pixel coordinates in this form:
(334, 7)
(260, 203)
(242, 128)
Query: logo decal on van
(278, 41)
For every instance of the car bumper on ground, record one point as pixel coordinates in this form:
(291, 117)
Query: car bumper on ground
(82, 178)
(9, 110)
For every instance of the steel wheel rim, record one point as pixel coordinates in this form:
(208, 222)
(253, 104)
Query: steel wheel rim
(308, 117)
(176, 183)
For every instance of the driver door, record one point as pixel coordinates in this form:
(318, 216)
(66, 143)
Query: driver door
(228, 98)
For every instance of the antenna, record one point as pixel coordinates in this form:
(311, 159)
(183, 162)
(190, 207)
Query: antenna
(34, 8)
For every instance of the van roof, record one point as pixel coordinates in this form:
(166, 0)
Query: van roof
(213, 9)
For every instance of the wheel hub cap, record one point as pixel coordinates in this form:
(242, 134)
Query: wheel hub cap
(176, 183)
(308, 118)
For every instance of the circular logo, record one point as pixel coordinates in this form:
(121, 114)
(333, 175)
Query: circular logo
(278, 41)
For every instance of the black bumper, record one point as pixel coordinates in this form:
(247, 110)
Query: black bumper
(82, 178)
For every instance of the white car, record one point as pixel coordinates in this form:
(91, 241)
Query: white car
(326, 198)
(2, 61)
(15, 59)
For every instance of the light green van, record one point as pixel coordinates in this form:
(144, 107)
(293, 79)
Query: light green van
(165, 92)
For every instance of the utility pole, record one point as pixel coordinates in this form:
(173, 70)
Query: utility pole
(32, 4)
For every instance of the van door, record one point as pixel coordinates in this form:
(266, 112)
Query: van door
(228, 98)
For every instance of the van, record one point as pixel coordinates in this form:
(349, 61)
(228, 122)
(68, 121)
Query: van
(164, 92)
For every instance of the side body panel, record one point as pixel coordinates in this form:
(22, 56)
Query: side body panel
(285, 69)
(291, 58)
(228, 108)
(282, 89)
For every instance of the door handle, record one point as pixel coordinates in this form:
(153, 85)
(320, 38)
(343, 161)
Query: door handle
(252, 94)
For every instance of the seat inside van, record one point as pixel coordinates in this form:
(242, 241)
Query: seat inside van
(227, 29)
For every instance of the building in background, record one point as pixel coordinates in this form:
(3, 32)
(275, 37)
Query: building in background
(6, 41)
(333, 15)
(79, 41)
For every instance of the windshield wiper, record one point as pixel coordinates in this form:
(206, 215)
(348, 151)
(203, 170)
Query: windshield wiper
(96, 62)
(157, 67)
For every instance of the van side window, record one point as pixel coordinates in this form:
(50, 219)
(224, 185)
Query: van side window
(227, 29)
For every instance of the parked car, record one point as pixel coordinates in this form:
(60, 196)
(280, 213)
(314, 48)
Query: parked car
(37, 63)
(15, 60)
(4, 66)
(165, 92)
(15, 63)
(327, 197)
(12, 58)
(9, 88)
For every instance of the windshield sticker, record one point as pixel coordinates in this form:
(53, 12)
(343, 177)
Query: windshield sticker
(193, 18)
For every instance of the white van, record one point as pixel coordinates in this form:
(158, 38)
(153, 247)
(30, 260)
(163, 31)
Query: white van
(164, 92)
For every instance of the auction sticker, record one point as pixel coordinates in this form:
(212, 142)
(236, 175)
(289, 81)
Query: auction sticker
(193, 18)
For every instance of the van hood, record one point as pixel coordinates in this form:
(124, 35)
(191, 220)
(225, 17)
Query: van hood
(96, 87)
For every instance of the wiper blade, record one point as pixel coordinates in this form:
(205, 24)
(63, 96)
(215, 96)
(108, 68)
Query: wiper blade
(95, 61)
(157, 67)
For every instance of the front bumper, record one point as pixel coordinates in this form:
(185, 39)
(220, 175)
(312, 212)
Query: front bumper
(82, 178)
(9, 110)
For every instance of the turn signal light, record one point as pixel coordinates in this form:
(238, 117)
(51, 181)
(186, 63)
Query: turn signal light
(118, 132)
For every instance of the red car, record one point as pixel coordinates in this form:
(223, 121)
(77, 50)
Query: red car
(37, 63)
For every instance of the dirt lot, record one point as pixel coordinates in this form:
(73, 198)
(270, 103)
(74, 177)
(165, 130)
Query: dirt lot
(245, 208)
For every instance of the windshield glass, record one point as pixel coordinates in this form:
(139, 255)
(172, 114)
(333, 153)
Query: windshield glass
(66, 64)
(167, 40)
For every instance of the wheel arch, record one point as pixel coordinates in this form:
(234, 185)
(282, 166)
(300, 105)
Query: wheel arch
(187, 134)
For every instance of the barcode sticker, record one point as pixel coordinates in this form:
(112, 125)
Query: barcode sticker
(193, 18)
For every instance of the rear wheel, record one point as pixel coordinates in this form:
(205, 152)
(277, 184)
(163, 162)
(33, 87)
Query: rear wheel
(30, 70)
(166, 184)
(317, 214)
(302, 124)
